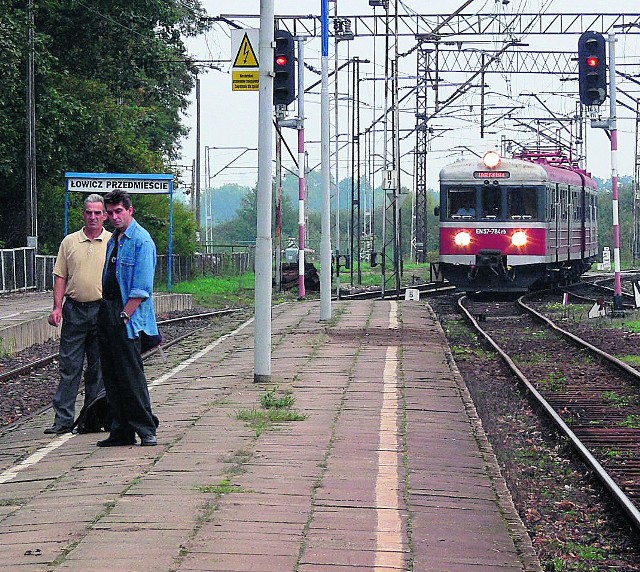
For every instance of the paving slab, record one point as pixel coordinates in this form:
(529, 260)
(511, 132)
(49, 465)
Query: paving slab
(388, 470)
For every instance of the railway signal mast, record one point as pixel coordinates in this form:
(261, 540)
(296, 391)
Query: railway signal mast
(592, 75)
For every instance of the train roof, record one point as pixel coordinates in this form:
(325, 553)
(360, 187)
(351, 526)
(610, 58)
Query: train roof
(518, 170)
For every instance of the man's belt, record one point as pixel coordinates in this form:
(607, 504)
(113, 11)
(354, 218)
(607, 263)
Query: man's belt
(84, 304)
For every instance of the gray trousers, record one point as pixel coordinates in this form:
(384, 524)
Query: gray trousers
(78, 337)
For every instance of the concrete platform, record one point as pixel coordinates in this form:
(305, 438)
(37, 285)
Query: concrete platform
(23, 317)
(388, 470)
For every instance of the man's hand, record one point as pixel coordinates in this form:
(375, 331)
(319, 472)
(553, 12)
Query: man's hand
(55, 317)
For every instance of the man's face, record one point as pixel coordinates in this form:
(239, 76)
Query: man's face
(94, 216)
(120, 216)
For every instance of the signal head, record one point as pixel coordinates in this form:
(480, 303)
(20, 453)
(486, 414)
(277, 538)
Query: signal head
(592, 68)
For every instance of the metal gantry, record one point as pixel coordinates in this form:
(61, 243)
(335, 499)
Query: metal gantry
(454, 43)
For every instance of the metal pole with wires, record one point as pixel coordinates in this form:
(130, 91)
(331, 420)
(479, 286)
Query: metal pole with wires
(263, 264)
(325, 238)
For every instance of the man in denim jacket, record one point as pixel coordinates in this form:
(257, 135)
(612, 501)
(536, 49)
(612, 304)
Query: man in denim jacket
(126, 310)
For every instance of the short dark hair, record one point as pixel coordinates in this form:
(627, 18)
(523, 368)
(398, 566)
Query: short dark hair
(118, 197)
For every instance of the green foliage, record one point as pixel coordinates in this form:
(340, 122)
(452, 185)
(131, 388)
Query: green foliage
(275, 409)
(612, 398)
(112, 79)
(220, 291)
(555, 381)
(241, 226)
(271, 399)
(224, 487)
(625, 213)
(631, 421)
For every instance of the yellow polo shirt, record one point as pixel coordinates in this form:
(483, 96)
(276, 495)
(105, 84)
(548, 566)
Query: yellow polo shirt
(80, 261)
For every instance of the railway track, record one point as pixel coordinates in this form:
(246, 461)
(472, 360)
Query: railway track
(26, 389)
(592, 397)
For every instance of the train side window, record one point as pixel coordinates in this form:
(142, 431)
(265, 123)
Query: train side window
(522, 203)
(461, 203)
(563, 204)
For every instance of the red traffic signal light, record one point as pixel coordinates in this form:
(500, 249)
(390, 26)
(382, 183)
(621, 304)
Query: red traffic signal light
(284, 59)
(592, 68)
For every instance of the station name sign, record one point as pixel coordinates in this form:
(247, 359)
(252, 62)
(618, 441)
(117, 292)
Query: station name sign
(491, 174)
(105, 182)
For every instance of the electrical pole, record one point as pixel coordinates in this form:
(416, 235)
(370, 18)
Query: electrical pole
(263, 266)
(197, 165)
(32, 192)
(325, 238)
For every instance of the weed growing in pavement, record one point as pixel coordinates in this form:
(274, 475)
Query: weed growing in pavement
(224, 487)
(275, 410)
(260, 421)
(555, 381)
(12, 502)
(270, 399)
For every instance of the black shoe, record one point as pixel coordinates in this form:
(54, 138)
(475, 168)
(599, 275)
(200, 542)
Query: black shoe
(58, 429)
(148, 441)
(117, 442)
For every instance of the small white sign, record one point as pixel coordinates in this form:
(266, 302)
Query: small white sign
(412, 294)
(598, 309)
(389, 180)
(636, 293)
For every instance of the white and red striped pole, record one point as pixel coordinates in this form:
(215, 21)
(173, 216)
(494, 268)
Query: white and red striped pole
(301, 173)
(617, 298)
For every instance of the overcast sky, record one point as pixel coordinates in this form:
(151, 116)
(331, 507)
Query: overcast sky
(230, 119)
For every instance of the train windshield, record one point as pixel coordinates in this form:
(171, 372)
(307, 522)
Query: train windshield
(461, 203)
(491, 203)
(522, 203)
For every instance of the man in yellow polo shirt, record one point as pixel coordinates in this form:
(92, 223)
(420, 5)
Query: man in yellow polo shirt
(77, 292)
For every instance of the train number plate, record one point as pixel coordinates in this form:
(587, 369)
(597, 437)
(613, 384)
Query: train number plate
(491, 231)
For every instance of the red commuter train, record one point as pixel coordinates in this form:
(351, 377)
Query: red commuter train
(513, 225)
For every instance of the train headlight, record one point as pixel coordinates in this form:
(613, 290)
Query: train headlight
(519, 238)
(462, 239)
(491, 159)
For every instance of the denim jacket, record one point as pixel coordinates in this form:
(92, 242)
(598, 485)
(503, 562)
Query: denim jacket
(135, 269)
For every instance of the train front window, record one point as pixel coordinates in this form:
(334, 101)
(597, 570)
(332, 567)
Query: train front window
(522, 203)
(491, 203)
(461, 203)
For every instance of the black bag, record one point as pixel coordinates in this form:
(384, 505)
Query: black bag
(148, 343)
(95, 416)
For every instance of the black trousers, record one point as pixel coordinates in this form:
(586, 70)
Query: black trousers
(123, 375)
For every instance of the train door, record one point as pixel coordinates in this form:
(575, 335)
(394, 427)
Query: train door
(563, 224)
(557, 222)
(584, 222)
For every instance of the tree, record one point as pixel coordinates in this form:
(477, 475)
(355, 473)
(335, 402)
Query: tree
(112, 77)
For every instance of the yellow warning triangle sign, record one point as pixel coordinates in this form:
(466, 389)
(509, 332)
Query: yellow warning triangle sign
(246, 57)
